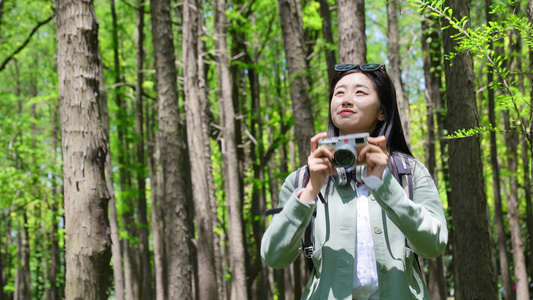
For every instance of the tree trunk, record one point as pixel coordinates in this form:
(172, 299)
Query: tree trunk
(174, 156)
(436, 280)
(471, 239)
(130, 281)
(229, 154)
(395, 62)
(327, 32)
(527, 198)
(143, 226)
(511, 141)
(55, 291)
(496, 183)
(118, 275)
(519, 260)
(498, 211)
(22, 275)
(352, 37)
(22, 281)
(291, 25)
(200, 156)
(158, 218)
(84, 149)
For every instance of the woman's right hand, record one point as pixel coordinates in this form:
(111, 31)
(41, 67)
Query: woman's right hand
(320, 164)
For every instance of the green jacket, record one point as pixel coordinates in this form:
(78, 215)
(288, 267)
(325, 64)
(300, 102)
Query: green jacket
(400, 227)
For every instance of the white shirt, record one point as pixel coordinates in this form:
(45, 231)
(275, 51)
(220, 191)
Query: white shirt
(365, 279)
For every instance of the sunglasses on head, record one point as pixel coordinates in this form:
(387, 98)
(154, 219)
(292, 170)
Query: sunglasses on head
(362, 67)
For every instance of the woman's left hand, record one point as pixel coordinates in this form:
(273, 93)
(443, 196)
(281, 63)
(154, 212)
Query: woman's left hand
(375, 156)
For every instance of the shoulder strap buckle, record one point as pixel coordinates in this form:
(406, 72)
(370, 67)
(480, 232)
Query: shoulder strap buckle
(308, 251)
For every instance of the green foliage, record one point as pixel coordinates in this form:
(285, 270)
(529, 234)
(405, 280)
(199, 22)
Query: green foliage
(462, 133)
(479, 40)
(311, 16)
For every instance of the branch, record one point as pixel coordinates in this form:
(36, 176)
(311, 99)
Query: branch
(6, 61)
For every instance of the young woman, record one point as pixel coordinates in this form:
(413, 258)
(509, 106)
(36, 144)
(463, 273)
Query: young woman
(366, 234)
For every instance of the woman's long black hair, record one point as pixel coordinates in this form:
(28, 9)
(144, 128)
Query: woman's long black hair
(391, 127)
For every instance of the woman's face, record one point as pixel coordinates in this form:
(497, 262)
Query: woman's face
(355, 105)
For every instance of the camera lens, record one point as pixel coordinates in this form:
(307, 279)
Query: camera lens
(344, 158)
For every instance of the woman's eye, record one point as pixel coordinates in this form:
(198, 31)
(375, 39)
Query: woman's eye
(339, 93)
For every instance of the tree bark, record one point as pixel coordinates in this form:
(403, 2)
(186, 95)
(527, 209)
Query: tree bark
(84, 149)
(131, 284)
(519, 260)
(327, 32)
(158, 219)
(143, 226)
(291, 25)
(200, 155)
(395, 62)
(116, 251)
(52, 291)
(471, 239)
(174, 156)
(352, 37)
(511, 141)
(496, 182)
(436, 280)
(229, 154)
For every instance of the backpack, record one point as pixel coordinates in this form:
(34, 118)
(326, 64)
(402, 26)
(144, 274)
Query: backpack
(399, 168)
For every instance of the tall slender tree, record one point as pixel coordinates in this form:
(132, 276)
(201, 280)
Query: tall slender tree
(471, 238)
(352, 36)
(200, 155)
(116, 251)
(505, 271)
(54, 292)
(432, 75)
(84, 148)
(511, 142)
(156, 188)
(529, 9)
(292, 28)
(229, 154)
(142, 220)
(23, 277)
(129, 251)
(395, 62)
(327, 32)
(174, 157)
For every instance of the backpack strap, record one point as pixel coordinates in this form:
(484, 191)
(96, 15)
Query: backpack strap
(401, 170)
(301, 180)
(302, 177)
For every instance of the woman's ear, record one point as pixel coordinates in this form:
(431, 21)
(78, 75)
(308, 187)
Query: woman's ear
(381, 114)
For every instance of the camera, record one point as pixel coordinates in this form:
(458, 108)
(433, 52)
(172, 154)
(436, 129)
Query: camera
(345, 152)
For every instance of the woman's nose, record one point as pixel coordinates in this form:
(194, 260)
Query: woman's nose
(347, 101)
